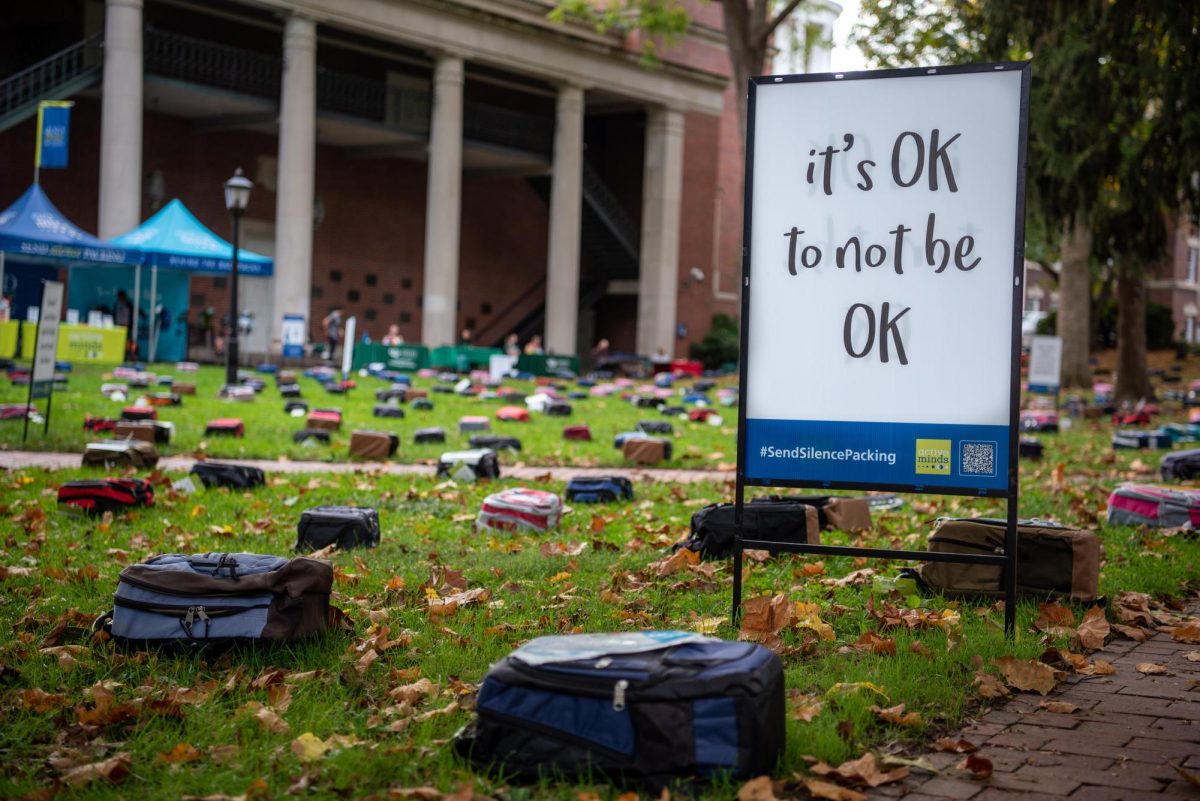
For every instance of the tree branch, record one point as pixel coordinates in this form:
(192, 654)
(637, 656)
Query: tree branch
(783, 14)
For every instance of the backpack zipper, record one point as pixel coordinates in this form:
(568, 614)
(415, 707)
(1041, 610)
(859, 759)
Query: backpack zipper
(975, 546)
(619, 695)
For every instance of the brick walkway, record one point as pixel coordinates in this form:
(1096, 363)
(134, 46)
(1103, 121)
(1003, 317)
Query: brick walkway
(10, 460)
(1119, 746)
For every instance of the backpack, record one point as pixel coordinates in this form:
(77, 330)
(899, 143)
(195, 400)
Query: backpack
(496, 443)
(473, 423)
(151, 431)
(164, 399)
(514, 414)
(374, 444)
(620, 439)
(344, 526)
(655, 427)
(387, 411)
(139, 413)
(107, 494)
(647, 706)
(422, 404)
(318, 434)
(713, 528)
(834, 513)
(395, 393)
(228, 426)
(326, 419)
(234, 476)
(1029, 448)
(289, 390)
(599, 489)
(96, 424)
(198, 600)
(580, 433)
(434, 434)
(520, 508)
(646, 450)
(292, 406)
(465, 465)
(1137, 440)
(1051, 559)
(1183, 465)
(557, 409)
(122, 453)
(184, 388)
(1046, 422)
(1146, 505)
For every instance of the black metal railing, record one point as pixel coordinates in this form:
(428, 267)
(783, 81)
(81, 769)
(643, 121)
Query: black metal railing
(42, 80)
(186, 58)
(512, 129)
(606, 206)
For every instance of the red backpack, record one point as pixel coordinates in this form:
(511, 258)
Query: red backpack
(107, 494)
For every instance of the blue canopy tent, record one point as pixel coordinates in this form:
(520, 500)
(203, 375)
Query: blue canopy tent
(175, 240)
(38, 235)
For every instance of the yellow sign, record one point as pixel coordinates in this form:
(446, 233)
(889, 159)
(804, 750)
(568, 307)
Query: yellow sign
(933, 457)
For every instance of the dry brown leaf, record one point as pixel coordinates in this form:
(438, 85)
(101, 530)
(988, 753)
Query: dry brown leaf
(1135, 633)
(412, 693)
(266, 717)
(917, 647)
(113, 770)
(872, 643)
(897, 716)
(415, 793)
(1093, 629)
(757, 789)
(1189, 633)
(1054, 618)
(862, 771)
(673, 563)
(562, 548)
(989, 686)
(1191, 778)
(182, 752)
(805, 707)
(1151, 669)
(831, 791)
(38, 700)
(767, 614)
(1192, 656)
(1028, 674)
(1059, 707)
(224, 753)
(953, 746)
(980, 767)
(308, 747)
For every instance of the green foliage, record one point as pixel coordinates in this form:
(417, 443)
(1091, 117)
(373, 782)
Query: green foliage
(662, 21)
(720, 344)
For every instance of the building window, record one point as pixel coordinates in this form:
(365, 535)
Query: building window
(1193, 263)
(220, 282)
(335, 276)
(485, 308)
(389, 299)
(371, 279)
(316, 292)
(352, 296)
(405, 317)
(369, 314)
(198, 298)
(406, 283)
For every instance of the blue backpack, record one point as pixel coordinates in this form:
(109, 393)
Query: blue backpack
(599, 489)
(650, 706)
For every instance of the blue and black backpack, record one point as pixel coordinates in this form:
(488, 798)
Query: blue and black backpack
(599, 489)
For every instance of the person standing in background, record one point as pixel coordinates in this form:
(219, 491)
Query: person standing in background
(393, 337)
(333, 330)
(534, 346)
(512, 346)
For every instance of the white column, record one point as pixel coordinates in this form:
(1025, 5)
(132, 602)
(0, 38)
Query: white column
(121, 119)
(566, 208)
(662, 189)
(443, 204)
(296, 175)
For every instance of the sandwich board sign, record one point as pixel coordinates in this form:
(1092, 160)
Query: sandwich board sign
(882, 273)
(45, 351)
(1045, 364)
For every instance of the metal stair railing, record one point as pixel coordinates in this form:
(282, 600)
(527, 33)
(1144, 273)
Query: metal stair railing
(606, 206)
(187, 58)
(63, 73)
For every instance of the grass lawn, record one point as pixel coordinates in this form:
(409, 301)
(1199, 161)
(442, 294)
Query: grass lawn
(269, 430)
(69, 701)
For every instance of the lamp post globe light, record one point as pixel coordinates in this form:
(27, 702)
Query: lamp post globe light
(237, 197)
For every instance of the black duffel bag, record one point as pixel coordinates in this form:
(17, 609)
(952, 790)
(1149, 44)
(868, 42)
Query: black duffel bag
(344, 526)
(713, 527)
(234, 476)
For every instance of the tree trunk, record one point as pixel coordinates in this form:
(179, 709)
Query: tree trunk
(1133, 380)
(1074, 303)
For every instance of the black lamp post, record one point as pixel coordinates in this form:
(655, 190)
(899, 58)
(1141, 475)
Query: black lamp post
(237, 196)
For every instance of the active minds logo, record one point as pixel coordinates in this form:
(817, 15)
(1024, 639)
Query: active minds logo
(933, 457)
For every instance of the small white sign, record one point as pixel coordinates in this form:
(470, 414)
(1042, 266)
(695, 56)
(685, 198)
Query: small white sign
(45, 350)
(348, 346)
(1045, 363)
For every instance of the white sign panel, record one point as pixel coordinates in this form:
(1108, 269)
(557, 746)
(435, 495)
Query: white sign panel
(45, 350)
(883, 218)
(1045, 363)
(348, 345)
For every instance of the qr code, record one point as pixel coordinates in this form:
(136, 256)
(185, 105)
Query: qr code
(978, 459)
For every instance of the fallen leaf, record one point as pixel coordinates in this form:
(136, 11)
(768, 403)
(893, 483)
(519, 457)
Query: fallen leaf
(806, 707)
(767, 614)
(757, 789)
(1192, 656)
(842, 688)
(224, 753)
(989, 686)
(1028, 674)
(1189, 633)
(308, 747)
(412, 693)
(980, 767)
(1093, 629)
(113, 770)
(1191, 778)
(1058, 707)
(1135, 633)
(182, 752)
(1053, 617)
(1151, 669)
(862, 771)
(267, 717)
(831, 791)
(870, 642)
(38, 700)
(953, 746)
(897, 716)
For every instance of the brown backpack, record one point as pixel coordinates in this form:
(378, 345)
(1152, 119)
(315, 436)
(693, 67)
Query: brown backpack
(373, 444)
(121, 453)
(1051, 559)
(646, 450)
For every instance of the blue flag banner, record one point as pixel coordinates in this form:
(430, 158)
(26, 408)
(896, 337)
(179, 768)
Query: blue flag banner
(54, 131)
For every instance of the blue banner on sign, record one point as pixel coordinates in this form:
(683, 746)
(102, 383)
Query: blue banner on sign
(919, 455)
(54, 136)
